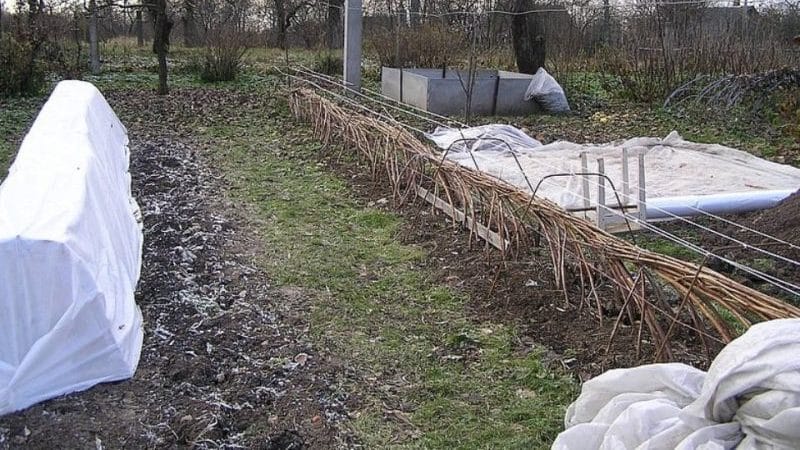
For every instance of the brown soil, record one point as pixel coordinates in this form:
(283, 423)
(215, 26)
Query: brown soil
(781, 222)
(223, 352)
(523, 294)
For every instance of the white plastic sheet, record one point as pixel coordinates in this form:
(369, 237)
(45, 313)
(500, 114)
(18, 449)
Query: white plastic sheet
(484, 138)
(749, 399)
(682, 177)
(70, 254)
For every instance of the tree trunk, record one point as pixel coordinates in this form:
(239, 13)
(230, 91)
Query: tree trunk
(94, 51)
(527, 34)
(333, 24)
(280, 14)
(413, 6)
(162, 25)
(139, 29)
(189, 24)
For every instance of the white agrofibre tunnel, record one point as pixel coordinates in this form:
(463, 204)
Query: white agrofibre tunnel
(680, 178)
(70, 254)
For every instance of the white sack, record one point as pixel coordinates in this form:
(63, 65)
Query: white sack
(749, 399)
(70, 254)
(545, 90)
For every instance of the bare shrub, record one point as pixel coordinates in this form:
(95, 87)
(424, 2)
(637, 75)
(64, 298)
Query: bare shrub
(22, 73)
(429, 45)
(667, 45)
(223, 55)
(329, 64)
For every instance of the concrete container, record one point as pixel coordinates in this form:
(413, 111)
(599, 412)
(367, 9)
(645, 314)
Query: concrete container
(496, 92)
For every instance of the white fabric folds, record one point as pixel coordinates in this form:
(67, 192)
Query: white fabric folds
(749, 399)
(70, 254)
(683, 178)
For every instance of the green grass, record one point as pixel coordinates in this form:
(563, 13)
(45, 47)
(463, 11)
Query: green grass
(16, 115)
(465, 384)
(658, 244)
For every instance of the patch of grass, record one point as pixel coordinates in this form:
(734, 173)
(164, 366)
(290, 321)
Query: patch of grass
(666, 247)
(438, 378)
(16, 115)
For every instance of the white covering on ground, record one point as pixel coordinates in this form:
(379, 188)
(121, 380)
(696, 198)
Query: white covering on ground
(749, 399)
(675, 169)
(70, 254)
(484, 138)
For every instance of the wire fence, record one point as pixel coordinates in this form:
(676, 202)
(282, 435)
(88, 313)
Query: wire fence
(390, 148)
(329, 85)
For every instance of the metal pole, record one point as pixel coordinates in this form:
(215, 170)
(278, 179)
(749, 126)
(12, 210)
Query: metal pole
(352, 44)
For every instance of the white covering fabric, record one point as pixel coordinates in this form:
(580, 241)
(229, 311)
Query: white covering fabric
(681, 176)
(484, 138)
(70, 254)
(749, 399)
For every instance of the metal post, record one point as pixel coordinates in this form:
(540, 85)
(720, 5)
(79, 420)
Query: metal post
(401, 84)
(642, 196)
(601, 195)
(585, 169)
(352, 44)
(626, 191)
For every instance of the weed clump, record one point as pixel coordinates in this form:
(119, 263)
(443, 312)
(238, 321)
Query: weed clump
(22, 73)
(329, 64)
(223, 56)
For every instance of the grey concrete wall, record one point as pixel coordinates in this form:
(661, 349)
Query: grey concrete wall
(415, 86)
(514, 75)
(416, 90)
(390, 82)
(426, 89)
(511, 95)
(447, 96)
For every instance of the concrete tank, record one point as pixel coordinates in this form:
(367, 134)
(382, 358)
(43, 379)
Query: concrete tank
(440, 91)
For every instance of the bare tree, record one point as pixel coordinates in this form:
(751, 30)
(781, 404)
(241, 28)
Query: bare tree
(528, 37)
(139, 25)
(162, 26)
(94, 50)
(189, 23)
(333, 20)
(284, 13)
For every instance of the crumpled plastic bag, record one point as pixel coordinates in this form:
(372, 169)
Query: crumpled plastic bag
(748, 399)
(545, 90)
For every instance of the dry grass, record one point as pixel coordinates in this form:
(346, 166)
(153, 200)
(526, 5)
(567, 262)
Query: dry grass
(711, 304)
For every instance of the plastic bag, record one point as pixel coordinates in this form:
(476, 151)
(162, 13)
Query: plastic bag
(484, 138)
(545, 90)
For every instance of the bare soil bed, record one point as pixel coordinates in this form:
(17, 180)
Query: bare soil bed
(778, 233)
(521, 292)
(226, 360)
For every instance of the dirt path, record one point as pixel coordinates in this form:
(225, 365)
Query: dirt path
(226, 360)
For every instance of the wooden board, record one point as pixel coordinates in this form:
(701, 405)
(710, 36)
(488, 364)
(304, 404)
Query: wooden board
(480, 229)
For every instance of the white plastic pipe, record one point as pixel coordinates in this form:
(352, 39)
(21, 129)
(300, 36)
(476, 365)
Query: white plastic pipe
(718, 204)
